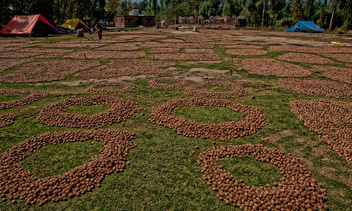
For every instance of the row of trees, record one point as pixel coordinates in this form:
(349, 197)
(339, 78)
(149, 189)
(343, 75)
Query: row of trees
(326, 13)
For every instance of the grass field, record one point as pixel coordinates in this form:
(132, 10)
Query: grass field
(162, 172)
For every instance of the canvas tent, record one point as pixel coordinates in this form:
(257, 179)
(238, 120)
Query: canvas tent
(305, 26)
(28, 25)
(74, 24)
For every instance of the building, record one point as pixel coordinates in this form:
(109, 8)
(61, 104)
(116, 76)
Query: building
(134, 19)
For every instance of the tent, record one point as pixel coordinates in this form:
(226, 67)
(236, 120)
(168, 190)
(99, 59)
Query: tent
(74, 24)
(28, 25)
(305, 26)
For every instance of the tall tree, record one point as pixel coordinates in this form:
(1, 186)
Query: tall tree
(308, 9)
(347, 13)
(333, 7)
(296, 9)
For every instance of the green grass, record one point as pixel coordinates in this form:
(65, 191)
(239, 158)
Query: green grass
(6, 98)
(53, 160)
(251, 171)
(87, 110)
(208, 114)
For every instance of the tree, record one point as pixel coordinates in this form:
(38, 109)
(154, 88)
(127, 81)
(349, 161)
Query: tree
(112, 6)
(347, 13)
(309, 9)
(333, 7)
(296, 9)
(5, 12)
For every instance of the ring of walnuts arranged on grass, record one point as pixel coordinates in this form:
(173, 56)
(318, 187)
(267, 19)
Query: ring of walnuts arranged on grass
(16, 183)
(331, 120)
(237, 91)
(54, 114)
(254, 120)
(6, 119)
(95, 88)
(33, 95)
(305, 58)
(271, 67)
(297, 190)
(155, 83)
(317, 87)
(342, 74)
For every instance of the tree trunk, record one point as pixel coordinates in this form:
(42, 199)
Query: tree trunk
(331, 20)
(263, 13)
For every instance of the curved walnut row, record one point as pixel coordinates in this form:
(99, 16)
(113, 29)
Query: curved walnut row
(297, 190)
(317, 87)
(245, 52)
(237, 91)
(342, 74)
(271, 67)
(16, 183)
(254, 120)
(305, 58)
(33, 95)
(54, 114)
(96, 88)
(6, 119)
(331, 120)
(47, 71)
(155, 83)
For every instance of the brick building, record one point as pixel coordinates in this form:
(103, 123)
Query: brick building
(134, 20)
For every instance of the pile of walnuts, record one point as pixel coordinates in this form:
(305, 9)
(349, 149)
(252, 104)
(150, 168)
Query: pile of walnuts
(16, 183)
(55, 115)
(18, 55)
(297, 190)
(7, 63)
(33, 95)
(164, 50)
(305, 58)
(187, 57)
(75, 44)
(254, 120)
(331, 120)
(271, 67)
(106, 55)
(310, 49)
(155, 83)
(245, 52)
(47, 71)
(237, 91)
(6, 119)
(119, 68)
(96, 88)
(178, 45)
(199, 51)
(119, 47)
(342, 74)
(339, 57)
(317, 87)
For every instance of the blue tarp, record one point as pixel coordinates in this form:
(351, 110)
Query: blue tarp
(305, 26)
